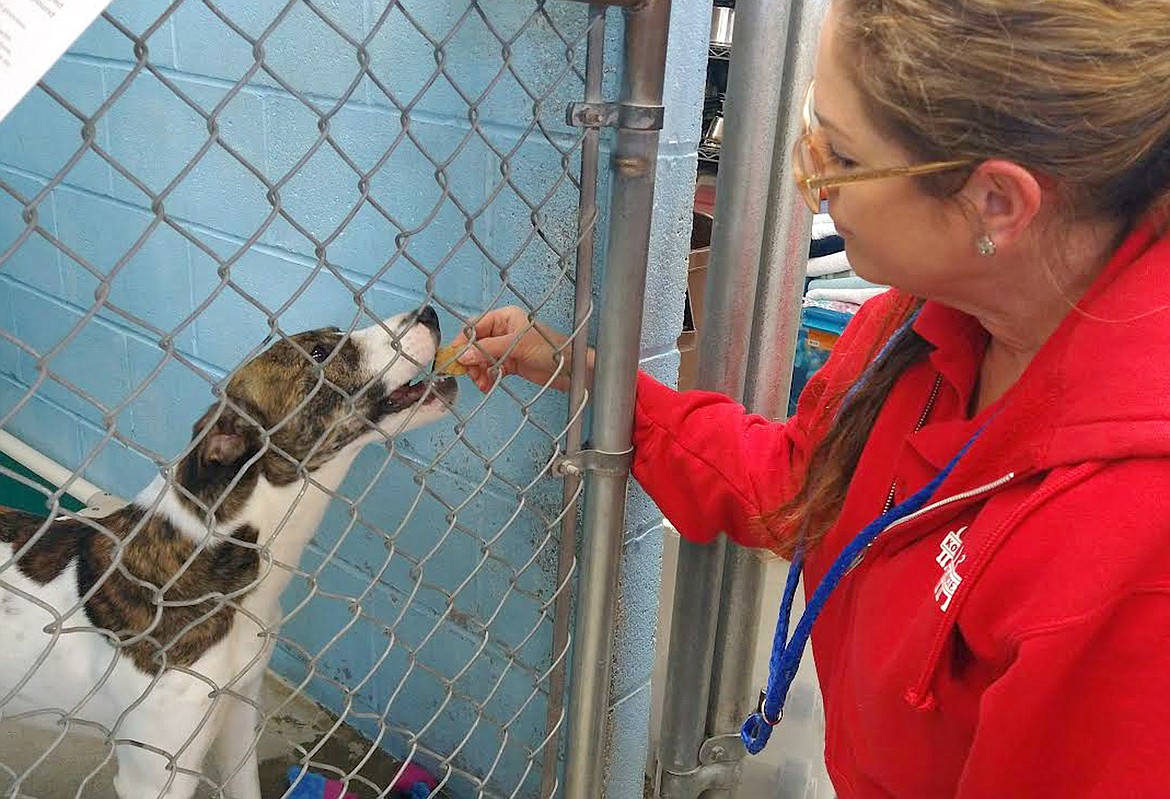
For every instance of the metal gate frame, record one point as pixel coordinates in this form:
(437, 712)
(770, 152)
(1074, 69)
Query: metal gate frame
(759, 251)
(637, 115)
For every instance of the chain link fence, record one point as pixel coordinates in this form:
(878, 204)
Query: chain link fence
(189, 188)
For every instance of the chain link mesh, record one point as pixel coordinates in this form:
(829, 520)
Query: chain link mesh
(189, 186)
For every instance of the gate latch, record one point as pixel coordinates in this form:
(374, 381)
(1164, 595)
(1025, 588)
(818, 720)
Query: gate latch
(624, 116)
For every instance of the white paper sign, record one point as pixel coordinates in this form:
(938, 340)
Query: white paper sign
(33, 35)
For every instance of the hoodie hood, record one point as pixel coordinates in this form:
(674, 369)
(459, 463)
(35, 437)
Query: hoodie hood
(1106, 368)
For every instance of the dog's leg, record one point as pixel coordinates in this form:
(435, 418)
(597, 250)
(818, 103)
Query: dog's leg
(175, 720)
(235, 747)
(147, 774)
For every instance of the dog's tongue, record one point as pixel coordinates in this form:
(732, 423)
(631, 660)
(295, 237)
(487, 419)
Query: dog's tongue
(408, 395)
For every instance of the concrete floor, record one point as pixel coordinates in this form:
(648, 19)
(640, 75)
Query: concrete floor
(78, 767)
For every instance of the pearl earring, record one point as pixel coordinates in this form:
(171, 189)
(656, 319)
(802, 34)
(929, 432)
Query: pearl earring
(985, 246)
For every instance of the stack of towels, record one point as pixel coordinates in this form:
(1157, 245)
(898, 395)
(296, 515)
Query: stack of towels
(831, 281)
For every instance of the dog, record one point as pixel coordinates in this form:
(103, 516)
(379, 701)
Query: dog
(154, 624)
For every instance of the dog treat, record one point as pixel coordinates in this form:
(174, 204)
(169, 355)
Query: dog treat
(445, 362)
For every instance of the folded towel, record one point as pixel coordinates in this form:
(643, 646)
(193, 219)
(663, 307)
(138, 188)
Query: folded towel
(828, 265)
(819, 248)
(823, 226)
(829, 305)
(848, 282)
(855, 296)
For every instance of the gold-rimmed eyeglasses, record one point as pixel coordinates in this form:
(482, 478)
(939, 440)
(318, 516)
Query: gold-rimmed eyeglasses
(813, 159)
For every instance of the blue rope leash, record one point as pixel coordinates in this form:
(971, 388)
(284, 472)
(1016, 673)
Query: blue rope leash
(787, 653)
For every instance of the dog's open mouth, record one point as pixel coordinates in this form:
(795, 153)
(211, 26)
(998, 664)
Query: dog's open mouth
(425, 391)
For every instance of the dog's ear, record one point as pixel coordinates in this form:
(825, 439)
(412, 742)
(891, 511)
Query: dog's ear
(224, 437)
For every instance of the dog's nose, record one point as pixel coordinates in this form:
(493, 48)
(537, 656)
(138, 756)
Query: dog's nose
(427, 316)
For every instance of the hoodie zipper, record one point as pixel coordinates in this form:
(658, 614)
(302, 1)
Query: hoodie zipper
(992, 486)
(974, 492)
(922, 417)
(934, 390)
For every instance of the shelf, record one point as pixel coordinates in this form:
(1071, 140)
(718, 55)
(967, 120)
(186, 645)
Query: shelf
(718, 51)
(709, 153)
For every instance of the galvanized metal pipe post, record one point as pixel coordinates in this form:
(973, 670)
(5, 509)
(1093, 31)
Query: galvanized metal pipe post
(687, 765)
(783, 259)
(635, 159)
(578, 377)
(786, 233)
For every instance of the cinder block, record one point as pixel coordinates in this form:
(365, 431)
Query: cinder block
(404, 59)
(115, 467)
(105, 40)
(153, 133)
(670, 243)
(45, 426)
(231, 327)
(687, 56)
(413, 232)
(41, 136)
(153, 284)
(25, 254)
(629, 728)
(534, 222)
(301, 49)
(161, 417)
(221, 192)
(93, 360)
(9, 352)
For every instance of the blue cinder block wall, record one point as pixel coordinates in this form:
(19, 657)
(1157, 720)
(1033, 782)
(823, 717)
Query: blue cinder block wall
(441, 623)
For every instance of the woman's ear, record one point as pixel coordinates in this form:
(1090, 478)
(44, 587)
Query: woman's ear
(1005, 198)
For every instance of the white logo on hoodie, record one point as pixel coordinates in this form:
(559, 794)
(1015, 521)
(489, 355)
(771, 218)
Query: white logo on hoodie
(949, 557)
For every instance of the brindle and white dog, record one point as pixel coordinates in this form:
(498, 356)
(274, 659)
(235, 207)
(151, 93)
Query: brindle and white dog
(155, 623)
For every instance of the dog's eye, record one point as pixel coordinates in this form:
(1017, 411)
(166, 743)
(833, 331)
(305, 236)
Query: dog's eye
(321, 352)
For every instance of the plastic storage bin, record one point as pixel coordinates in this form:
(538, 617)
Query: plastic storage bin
(819, 330)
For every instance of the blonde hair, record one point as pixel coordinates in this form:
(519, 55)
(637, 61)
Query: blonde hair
(1076, 90)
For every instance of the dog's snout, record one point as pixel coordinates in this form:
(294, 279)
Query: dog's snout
(427, 316)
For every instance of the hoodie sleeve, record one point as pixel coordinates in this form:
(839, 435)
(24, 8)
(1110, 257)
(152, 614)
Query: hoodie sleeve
(713, 467)
(1081, 710)
(710, 465)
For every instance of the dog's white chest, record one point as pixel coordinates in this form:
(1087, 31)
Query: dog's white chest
(53, 660)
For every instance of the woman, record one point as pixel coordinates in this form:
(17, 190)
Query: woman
(1005, 166)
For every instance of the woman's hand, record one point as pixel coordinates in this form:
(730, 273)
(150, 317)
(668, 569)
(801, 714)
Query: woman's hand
(508, 342)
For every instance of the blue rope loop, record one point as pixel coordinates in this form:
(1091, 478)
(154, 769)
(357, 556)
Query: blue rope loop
(788, 652)
(757, 728)
(755, 733)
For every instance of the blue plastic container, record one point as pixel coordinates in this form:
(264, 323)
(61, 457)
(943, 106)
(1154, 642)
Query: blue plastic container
(819, 330)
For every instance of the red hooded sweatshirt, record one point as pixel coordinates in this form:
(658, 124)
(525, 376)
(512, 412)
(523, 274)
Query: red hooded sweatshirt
(1013, 637)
